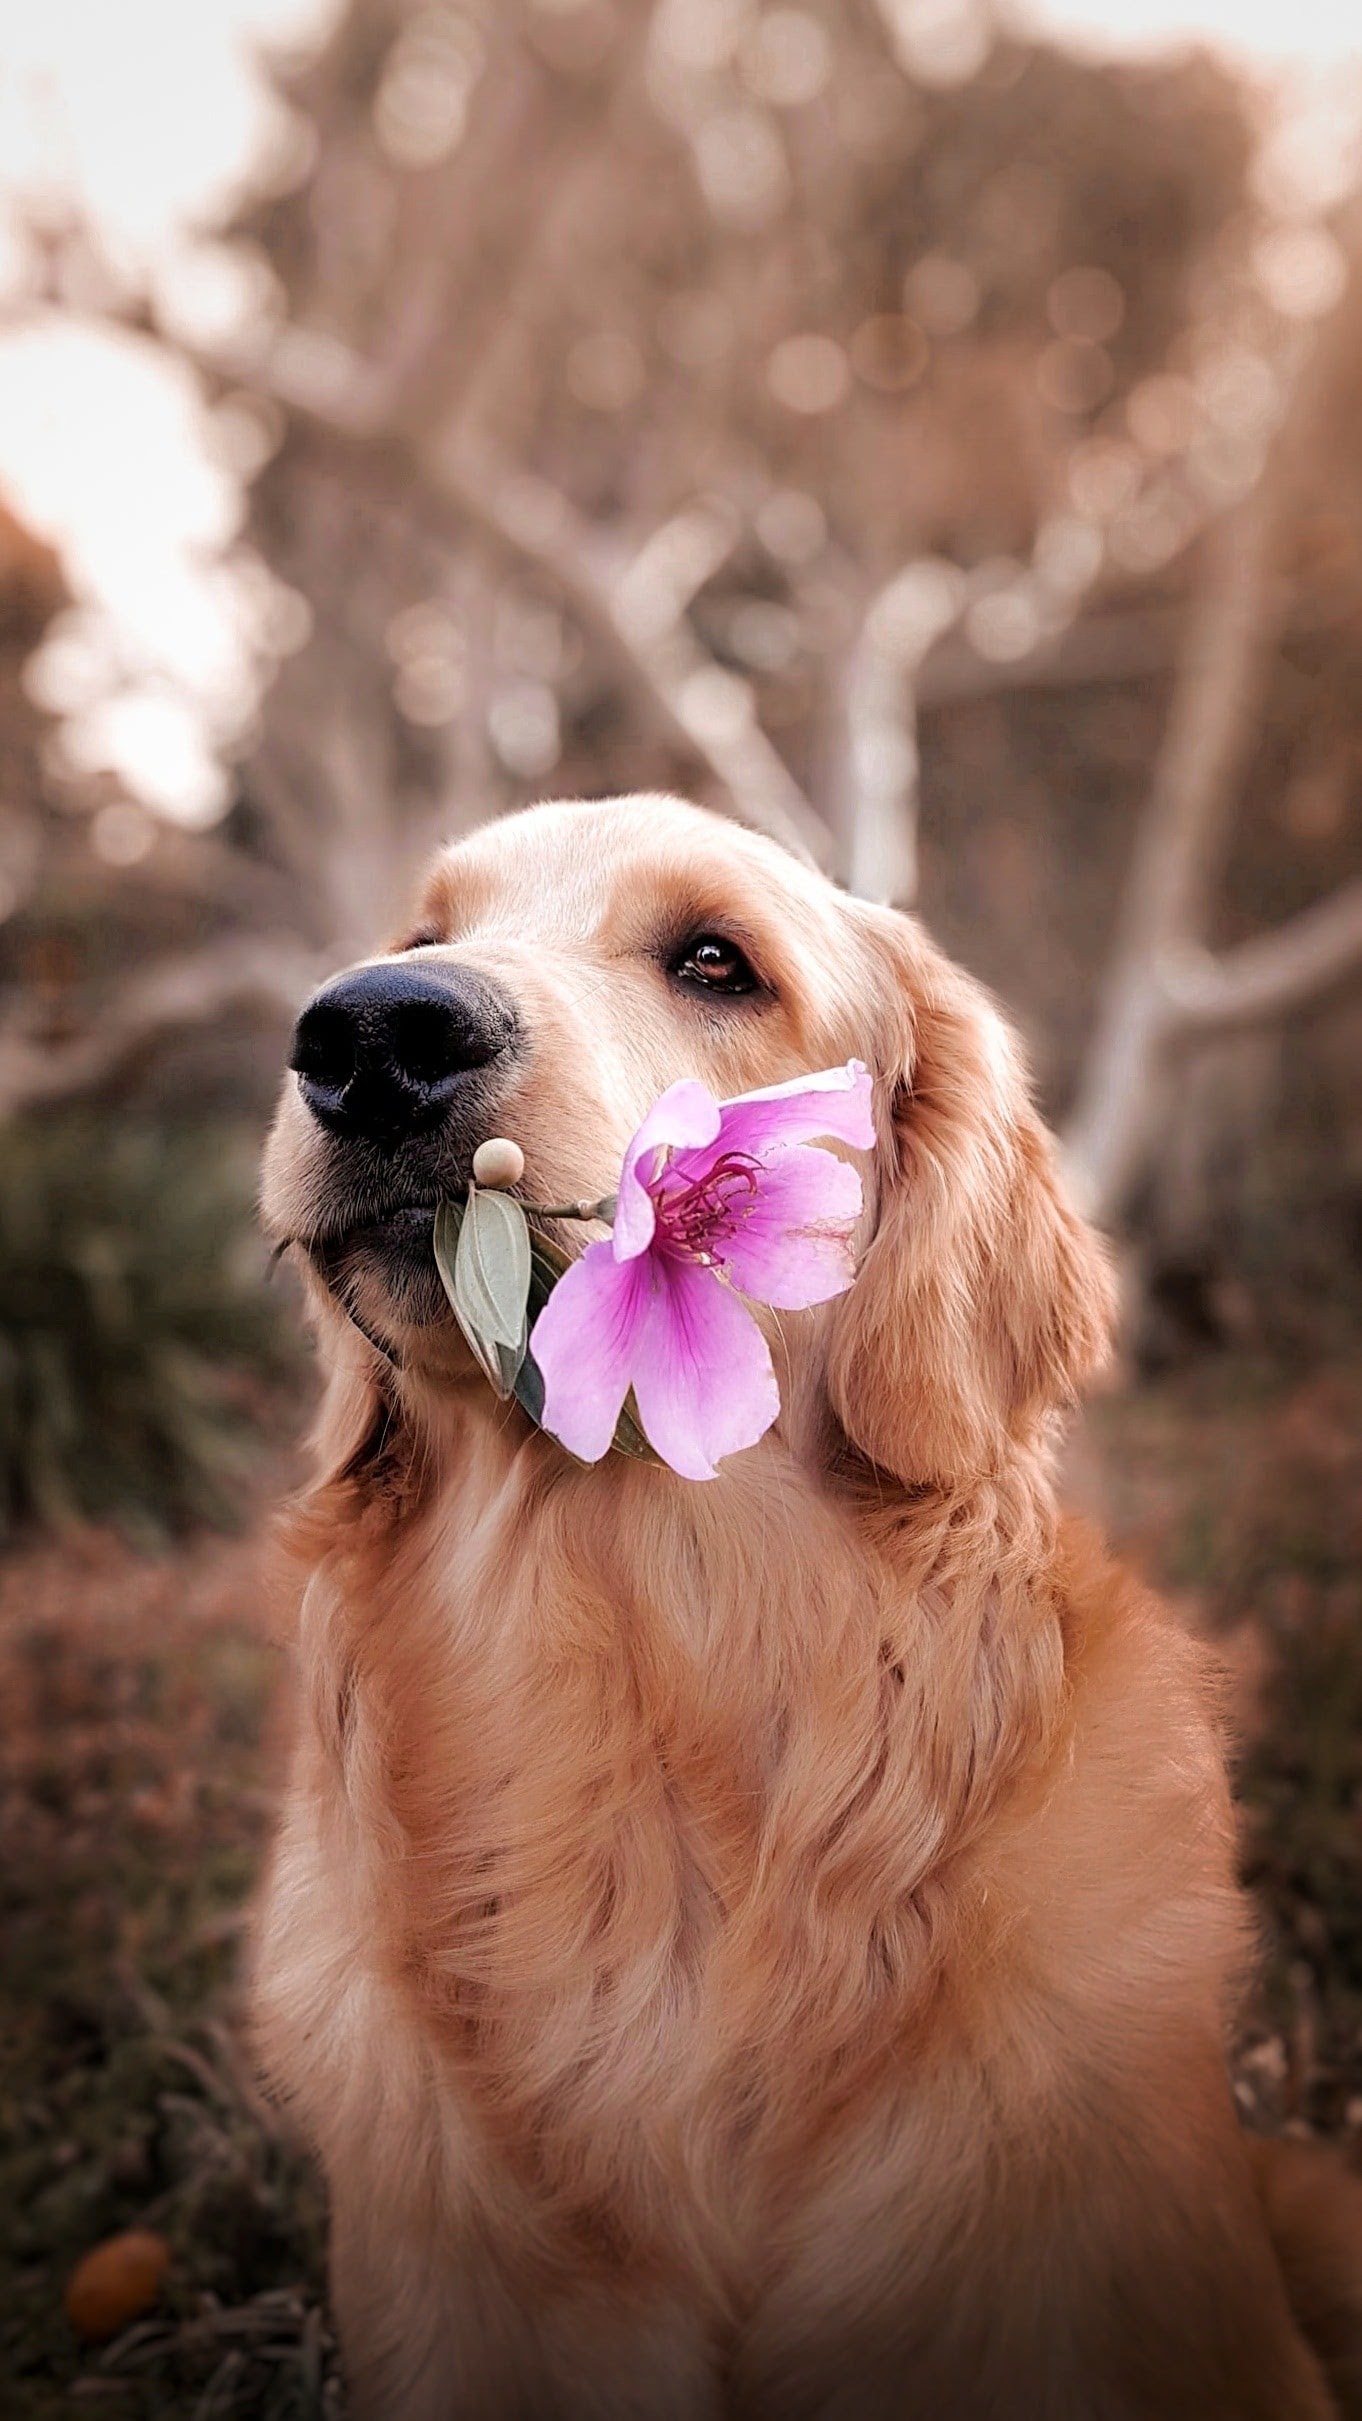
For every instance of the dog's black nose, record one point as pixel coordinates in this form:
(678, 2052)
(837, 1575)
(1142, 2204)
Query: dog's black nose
(381, 1054)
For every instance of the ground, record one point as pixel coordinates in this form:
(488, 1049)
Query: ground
(142, 1747)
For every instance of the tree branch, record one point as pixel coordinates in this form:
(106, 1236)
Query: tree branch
(697, 704)
(881, 696)
(661, 583)
(1268, 976)
(1178, 848)
(1209, 731)
(1107, 646)
(262, 971)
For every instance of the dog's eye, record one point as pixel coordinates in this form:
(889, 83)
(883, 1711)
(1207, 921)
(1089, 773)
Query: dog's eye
(711, 963)
(424, 938)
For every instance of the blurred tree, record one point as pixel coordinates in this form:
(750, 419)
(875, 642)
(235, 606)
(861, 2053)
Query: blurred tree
(136, 1343)
(714, 371)
(117, 933)
(1164, 987)
(32, 591)
(660, 380)
(746, 398)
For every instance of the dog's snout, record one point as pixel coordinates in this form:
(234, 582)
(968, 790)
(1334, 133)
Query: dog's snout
(382, 1053)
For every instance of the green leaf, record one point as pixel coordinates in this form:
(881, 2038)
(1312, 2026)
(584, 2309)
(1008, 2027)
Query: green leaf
(482, 1252)
(445, 1242)
(529, 1389)
(492, 1265)
(547, 1262)
(449, 1219)
(629, 1437)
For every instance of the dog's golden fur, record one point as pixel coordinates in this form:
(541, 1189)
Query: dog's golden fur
(764, 1949)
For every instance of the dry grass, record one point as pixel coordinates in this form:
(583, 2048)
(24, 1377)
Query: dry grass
(1238, 1489)
(141, 1754)
(142, 1749)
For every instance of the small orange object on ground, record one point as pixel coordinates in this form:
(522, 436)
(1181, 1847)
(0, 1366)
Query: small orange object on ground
(116, 2283)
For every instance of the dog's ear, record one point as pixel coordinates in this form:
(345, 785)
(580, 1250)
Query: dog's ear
(364, 1464)
(983, 1300)
(354, 1418)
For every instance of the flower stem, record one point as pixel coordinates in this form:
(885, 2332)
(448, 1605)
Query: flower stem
(604, 1209)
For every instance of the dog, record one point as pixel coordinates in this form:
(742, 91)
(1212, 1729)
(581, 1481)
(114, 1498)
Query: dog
(760, 1948)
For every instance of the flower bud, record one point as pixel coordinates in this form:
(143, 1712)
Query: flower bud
(498, 1163)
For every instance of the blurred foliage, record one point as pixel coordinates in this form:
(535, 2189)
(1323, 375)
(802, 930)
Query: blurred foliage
(136, 1338)
(837, 306)
(827, 402)
(132, 1819)
(137, 1766)
(1239, 1490)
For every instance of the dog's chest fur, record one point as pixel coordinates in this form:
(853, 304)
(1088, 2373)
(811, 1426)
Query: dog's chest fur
(650, 1814)
(667, 1822)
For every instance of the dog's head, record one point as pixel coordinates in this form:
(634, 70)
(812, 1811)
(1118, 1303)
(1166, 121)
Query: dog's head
(563, 967)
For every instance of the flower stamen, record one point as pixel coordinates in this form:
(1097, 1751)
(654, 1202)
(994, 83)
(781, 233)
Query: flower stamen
(721, 1204)
(694, 1217)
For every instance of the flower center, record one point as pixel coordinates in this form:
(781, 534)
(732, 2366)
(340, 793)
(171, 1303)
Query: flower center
(694, 1217)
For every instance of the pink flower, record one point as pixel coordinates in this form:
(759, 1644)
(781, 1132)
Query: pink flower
(712, 1196)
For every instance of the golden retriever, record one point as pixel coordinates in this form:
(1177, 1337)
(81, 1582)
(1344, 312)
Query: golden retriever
(761, 1948)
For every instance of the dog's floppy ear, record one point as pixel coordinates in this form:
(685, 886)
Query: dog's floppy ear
(983, 1301)
(364, 1465)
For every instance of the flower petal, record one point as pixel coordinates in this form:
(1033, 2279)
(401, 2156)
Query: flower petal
(836, 1101)
(791, 1245)
(686, 1114)
(703, 1379)
(584, 1341)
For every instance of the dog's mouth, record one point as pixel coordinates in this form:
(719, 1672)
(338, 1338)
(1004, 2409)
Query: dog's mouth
(381, 1269)
(400, 1235)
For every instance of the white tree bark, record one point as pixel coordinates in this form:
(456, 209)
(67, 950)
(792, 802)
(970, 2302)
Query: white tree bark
(1271, 975)
(691, 700)
(1164, 987)
(1176, 854)
(897, 632)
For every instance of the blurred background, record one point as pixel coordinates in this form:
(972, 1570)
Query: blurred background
(926, 429)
